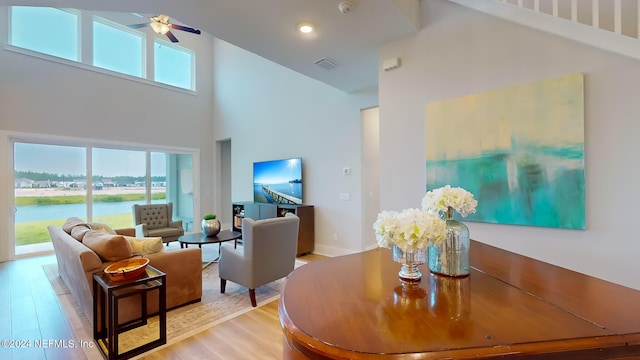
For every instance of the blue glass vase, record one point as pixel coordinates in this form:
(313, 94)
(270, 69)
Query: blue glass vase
(451, 256)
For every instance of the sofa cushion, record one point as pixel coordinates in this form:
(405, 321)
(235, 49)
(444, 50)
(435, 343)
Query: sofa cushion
(73, 222)
(79, 231)
(108, 247)
(102, 227)
(146, 245)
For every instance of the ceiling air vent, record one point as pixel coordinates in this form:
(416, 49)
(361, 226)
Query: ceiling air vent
(326, 64)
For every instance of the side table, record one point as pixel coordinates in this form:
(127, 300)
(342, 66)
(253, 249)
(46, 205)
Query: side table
(107, 293)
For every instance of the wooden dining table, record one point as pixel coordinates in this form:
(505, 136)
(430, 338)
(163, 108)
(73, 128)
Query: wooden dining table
(355, 307)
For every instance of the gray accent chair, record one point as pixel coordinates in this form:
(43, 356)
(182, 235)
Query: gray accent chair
(154, 220)
(268, 254)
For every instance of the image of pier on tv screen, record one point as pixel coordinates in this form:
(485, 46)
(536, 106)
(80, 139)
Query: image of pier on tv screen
(278, 181)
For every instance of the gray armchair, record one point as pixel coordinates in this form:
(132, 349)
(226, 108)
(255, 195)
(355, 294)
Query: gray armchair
(155, 220)
(268, 254)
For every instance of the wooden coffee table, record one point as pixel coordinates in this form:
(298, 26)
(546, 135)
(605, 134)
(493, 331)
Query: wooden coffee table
(201, 239)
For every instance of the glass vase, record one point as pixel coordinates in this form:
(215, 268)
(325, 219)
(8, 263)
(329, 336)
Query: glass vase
(409, 261)
(451, 256)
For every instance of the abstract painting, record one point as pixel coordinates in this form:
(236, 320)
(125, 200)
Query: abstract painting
(519, 150)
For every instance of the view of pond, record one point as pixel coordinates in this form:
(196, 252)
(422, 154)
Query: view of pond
(46, 212)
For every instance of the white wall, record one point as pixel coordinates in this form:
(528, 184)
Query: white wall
(370, 163)
(43, 97)
(267, 111)
(270, 112)
(460, 52)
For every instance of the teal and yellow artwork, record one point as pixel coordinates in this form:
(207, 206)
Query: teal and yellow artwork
(519, 150)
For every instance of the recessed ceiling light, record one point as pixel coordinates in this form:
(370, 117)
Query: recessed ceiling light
(305, 27)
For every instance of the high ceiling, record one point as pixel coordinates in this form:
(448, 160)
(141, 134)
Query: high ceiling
(269, 28)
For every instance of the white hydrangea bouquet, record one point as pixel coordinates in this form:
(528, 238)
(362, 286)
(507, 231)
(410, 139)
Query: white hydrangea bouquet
(410, 229)
(441, 199)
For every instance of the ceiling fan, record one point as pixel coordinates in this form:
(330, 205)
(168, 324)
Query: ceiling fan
(161, 25)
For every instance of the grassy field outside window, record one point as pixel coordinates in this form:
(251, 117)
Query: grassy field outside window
(35, 232)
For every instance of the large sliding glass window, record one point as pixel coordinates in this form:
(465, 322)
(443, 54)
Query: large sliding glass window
(158, 177)
(117, 48)
(52, 184)
(181, 195)
(47, 30)
(49, 180)
(119, 181)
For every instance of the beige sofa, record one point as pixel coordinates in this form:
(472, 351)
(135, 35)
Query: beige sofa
(73, 244)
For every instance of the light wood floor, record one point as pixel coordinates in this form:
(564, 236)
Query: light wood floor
(33, 322)
(256, 334)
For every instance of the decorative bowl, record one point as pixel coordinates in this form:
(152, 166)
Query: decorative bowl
(211, 227)
(126, 269)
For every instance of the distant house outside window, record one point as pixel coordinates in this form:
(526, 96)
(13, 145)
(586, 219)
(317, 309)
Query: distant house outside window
(117, 49)
(46, 30)
(173, 65)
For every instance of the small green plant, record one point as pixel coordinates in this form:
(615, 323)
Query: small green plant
(210, 216)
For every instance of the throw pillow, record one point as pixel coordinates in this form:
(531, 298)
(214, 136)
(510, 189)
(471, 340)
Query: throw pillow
(102, 227)
(73, 222)
(146, 245)
(79, 231)
(108, 247)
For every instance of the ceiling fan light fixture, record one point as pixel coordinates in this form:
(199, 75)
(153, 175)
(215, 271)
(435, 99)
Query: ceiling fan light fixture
(305, 27)
(160, 28)
(160, 24)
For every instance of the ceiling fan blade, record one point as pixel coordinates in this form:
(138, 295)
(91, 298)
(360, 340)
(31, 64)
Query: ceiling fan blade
(171, 37)
(138, 26)
(185, 28)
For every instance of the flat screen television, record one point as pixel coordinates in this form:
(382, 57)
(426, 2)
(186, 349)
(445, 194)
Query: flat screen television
(278, 181)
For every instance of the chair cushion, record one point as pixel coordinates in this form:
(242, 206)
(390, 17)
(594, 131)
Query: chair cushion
(108, 247)
(146, 245)
(165, 232)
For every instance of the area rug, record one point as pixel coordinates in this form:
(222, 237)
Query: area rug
(183, 322)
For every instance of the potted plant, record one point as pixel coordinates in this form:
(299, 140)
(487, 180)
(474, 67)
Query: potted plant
(210, 225)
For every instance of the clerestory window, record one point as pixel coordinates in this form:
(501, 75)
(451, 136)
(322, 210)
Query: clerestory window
(47, 30)
(173, 65)
(113, 46)
(117, 48)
